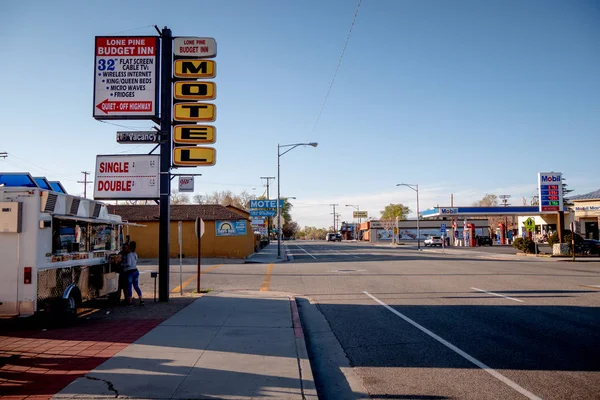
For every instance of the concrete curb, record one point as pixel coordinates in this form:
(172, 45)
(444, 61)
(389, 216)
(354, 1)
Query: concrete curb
(335, 377)
(309, 390)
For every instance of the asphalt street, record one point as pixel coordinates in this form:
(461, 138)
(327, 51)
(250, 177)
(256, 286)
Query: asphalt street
(435, 324)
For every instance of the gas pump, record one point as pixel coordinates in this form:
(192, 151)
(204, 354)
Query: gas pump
(502, 232)
(470, 229)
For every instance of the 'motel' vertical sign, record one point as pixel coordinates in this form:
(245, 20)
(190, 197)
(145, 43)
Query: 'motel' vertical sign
(550, 191)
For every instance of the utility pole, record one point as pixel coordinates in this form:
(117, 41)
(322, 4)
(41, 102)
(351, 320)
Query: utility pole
(268, 178)
(85, 183)
(334, 206)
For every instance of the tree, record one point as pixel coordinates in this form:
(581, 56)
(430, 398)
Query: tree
(489, 200)
(389, 224)
(290, 229)
(392, 211)
(179, 198)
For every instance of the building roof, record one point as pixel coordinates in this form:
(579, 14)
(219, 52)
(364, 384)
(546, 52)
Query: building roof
(595, 195)
(238, 210)
(179, 212)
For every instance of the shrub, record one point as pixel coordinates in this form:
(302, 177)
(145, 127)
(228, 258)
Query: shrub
(553, 239)
(526, 245)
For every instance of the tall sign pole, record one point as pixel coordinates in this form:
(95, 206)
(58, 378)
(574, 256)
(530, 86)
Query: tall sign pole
(166, 117)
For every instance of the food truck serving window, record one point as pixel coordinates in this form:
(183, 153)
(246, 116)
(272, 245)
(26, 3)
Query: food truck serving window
(69, 236)
(103, 237)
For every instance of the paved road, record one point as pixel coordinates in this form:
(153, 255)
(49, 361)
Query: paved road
(464, 324)
(457, 324)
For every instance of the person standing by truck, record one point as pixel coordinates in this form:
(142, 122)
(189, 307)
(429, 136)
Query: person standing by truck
(133, 275)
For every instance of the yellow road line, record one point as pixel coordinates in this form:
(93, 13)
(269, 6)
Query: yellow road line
(267, 281)
(193, 278)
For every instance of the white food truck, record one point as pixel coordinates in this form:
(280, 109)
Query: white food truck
(56, 250)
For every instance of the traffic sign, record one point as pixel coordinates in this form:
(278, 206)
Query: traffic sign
(194, 47)
(199, 227)
(196, 112)
(195, 69)
(529, 224)
(194, 90)
(192, 156)
(194, 134)
(126, 77)
(137, 137)
(443, 226)
(359, 214)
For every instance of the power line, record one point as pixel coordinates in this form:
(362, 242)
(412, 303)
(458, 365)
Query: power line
(338, 66)
(137, 128)
(37, 167)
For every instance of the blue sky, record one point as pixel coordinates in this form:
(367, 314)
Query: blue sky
(462, 97)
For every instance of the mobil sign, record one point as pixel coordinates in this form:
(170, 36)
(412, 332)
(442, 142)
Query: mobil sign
(550, 191)
(449, 210)
(186, 183)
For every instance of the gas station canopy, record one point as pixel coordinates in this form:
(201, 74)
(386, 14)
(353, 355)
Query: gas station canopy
(437, 212)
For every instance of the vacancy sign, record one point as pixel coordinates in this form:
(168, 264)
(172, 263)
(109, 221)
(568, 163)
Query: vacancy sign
(126, 77)
(127, 176)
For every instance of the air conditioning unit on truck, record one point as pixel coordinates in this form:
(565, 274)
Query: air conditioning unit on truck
(56, 250)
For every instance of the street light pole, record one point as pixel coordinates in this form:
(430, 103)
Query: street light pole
(357, 208)
(415, 187)
(279, 154)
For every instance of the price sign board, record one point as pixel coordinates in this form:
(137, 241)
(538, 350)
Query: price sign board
(126, 77)
(127, 176)
(550, 191)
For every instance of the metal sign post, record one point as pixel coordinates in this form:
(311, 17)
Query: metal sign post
(164, 244)
(179, 236)
(199, 228)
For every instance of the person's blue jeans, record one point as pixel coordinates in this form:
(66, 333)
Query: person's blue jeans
(133, 278)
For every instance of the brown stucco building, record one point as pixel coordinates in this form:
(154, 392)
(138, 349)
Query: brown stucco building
(226, 233)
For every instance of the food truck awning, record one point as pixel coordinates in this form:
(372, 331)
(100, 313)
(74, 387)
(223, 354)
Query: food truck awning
(96, 220)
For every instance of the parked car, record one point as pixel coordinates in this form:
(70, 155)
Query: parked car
(433, 241)
(590, 246)
(333, 237)
(484, 241)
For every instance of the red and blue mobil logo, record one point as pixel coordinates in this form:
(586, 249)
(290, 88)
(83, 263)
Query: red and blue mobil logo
(550, 178)
(449, 211)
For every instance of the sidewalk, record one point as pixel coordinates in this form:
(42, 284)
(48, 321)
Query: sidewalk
(224, 345)
(268, 254)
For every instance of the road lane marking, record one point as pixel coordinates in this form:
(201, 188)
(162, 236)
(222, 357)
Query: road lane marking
(267, 281)
(497, 294)
(193, 278)
(306, 252)
(458, 351)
